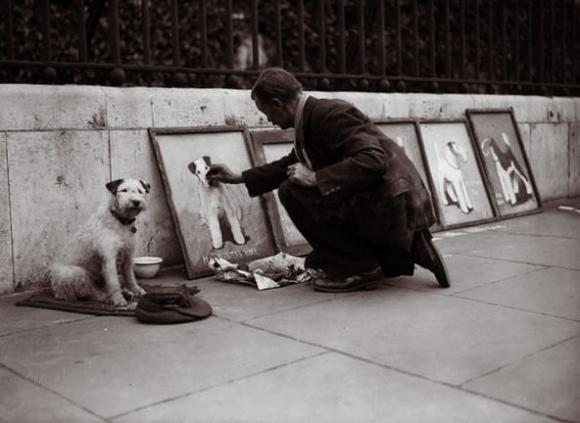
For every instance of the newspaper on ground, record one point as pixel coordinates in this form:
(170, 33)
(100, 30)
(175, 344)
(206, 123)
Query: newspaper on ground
(270, 272)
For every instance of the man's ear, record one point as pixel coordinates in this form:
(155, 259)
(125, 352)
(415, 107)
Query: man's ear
(113, 185)
(277, 103)
(146, 185)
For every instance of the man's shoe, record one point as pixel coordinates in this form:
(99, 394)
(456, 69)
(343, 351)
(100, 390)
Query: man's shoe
(426, 255)
(363, 281)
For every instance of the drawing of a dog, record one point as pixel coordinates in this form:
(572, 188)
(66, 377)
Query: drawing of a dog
(217, 204)
(451, 183)
(98, 260)
(509, 171)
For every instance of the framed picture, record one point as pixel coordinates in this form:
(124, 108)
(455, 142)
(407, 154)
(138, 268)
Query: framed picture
(212, 220)
(461, 195)
(406, 134)
(268, 146)
(499, 144)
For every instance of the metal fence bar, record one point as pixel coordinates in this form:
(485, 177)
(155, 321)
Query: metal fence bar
(82, 56)
(114, 31)
(517, 41)
(8, 28)
(433, 44)
(146, 31)
(361, 37)
(574, 77)
(278, 21)
(255, 36)
(563, 41)
(477, 41)
(322, 14)
(381, 39)
(504, 53)
(530, 41)
(552, 62)
(175, 33)
(301, 53)
(45, 16)
(203, 31)
(341, 38)
(463, 43)
(229, 34)
(490, 67)
(398, 38)
(448, 52)
(416, 37)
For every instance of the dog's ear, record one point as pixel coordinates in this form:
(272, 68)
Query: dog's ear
(113, 185)
(192, 167)
(146, 185)
(207, 160)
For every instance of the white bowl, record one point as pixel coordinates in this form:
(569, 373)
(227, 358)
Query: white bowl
(146, 267)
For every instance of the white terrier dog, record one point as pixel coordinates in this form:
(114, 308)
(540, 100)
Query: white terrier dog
(99, 258)
(216, 202)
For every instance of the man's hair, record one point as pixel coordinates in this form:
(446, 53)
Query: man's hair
(276, 83)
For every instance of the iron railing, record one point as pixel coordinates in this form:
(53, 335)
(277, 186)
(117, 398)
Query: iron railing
(496, 46)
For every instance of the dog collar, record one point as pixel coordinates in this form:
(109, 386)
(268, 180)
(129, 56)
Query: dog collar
(124, 220)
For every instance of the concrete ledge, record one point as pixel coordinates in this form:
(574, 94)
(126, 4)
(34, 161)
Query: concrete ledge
(59, 145)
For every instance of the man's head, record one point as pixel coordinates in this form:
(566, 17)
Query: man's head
(276, 95)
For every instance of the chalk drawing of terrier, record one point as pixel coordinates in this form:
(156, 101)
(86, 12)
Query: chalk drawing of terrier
(509, 171)
(217, 205)
(97, 262)
(451, 182)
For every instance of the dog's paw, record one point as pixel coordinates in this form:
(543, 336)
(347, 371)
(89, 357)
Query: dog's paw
(118, 300)
(138, 291)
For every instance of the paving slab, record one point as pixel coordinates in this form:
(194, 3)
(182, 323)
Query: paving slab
(553, 291)
(332, 388)
(547, 382)
(14, 319)
(437, 336)
(112, 365)
(463, 274)
(552, 222)
(25, 402)
(531, 249)
(242, 302)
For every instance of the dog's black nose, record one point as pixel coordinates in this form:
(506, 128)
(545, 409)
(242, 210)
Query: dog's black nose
(136, 203)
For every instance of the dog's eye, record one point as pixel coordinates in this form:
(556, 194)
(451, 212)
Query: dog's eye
(123, 190)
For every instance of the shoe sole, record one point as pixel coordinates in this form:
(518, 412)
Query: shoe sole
(363, 286)
(440, 271)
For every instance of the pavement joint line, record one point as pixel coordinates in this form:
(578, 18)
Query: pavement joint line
(58, 394)
(540, 313)
(44, 326)
(217, 385)
(459, 297)
(475, 254)
(523, 357)
(411, 374)
(495, 282)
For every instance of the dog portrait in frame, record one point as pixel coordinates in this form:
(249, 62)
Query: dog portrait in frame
(268, 146)
(211, 219)
(461, 194)
(512, 185)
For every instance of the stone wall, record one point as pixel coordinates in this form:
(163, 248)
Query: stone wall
(59, 145)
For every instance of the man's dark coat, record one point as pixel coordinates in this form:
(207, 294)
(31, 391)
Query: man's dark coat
(368, 183)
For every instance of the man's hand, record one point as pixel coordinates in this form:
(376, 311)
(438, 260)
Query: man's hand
(301, 175)
(220, 172)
